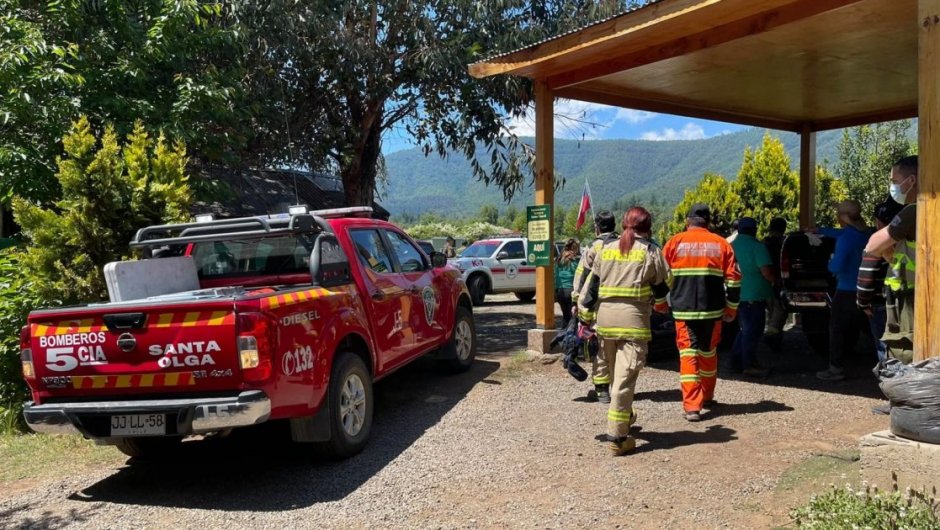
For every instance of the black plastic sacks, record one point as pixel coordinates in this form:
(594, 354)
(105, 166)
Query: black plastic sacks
(914, 392)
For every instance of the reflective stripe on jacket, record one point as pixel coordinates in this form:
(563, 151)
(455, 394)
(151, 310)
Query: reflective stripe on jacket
(707, 279)
(903, 267)
(621, 290)
(583, 271)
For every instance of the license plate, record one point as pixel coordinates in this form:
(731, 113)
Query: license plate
(138, 424)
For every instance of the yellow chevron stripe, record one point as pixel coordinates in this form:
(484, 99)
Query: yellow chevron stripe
(171, 379)
(123, 381)
(217, 318)
(164, 320)
(146, 380)
(190, 320)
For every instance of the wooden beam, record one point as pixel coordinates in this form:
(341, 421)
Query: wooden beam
(652, 26)
(658, 12)
(879, 116)
(592, 94)
(544, 194)
(807, 177)
(685, 44)
(927, 298)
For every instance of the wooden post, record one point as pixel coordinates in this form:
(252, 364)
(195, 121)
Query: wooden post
(544, 194)
(927, 299)
(807, 177)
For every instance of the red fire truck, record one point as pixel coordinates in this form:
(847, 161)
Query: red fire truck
(230, 323)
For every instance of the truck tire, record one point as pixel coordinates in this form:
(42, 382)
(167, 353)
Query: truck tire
(350, 405)
(525, 296)
(461, 349)
(477, 287)
(150, 448)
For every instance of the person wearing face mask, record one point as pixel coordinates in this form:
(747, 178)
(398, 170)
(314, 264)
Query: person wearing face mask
(845, 320)
(896, 244)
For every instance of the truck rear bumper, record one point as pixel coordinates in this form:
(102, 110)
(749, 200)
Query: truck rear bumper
(188, 416)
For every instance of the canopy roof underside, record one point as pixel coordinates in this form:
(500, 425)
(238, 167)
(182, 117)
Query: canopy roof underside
(783, 64)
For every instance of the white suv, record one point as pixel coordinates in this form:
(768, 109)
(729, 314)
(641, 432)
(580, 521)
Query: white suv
(497, 266)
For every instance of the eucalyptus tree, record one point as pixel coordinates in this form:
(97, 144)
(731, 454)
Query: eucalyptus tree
(336, 77)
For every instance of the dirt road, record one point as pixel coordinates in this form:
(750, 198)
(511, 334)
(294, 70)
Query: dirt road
(512, 443)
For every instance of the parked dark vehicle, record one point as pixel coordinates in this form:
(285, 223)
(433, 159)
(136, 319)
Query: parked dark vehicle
(425, 245)
(808, 285)
(662, 347)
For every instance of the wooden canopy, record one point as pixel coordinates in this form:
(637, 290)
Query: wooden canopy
(780, 64)
(795, 65)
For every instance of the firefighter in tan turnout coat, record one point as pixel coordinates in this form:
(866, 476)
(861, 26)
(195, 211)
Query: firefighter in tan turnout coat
(604, 224)
(630, 277)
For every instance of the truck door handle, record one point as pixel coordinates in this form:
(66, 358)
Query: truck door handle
(377, 295)
(523, 263)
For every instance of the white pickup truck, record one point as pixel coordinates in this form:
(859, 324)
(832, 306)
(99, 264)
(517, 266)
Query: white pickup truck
(497, 265)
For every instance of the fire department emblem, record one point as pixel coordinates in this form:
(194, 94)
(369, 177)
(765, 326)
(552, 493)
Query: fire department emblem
(430, 304)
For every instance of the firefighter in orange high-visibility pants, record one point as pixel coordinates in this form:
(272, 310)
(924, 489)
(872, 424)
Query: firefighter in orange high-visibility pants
(705, 292)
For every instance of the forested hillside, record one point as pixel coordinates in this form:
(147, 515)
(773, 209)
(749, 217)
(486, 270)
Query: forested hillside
(614, 168)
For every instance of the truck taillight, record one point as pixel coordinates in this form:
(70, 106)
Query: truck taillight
(784, 265)
(254, 346)
(26, 354)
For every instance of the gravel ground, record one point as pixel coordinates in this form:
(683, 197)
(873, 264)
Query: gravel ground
(512, 443)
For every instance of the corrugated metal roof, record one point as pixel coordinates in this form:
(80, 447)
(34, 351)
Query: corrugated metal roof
(268, 191)
(565, 34)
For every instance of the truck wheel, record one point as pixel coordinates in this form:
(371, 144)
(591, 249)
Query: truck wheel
(525, 296)
(461, 349)
(350, 402)
(150, 448)
(477, 288)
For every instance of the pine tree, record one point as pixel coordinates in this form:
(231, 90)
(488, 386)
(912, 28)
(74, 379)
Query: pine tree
(108, 192)
(767, 185)
(866, 155)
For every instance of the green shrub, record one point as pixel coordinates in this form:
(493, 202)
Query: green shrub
(846, 508)
(17, 298)
(109, 191)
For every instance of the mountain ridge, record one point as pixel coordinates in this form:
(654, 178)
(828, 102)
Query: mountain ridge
(615, 169)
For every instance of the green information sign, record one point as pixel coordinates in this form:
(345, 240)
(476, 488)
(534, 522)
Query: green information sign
(539, 223)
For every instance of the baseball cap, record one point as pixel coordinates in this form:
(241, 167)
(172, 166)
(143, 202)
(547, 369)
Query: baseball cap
(887, 210)
(700, 211)
(747, 223)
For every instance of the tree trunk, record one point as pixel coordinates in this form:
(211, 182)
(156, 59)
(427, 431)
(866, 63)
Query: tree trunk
(359, 175)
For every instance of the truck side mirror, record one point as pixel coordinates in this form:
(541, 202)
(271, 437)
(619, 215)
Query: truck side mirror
(328, 263)
(502, 255)
(438, 259)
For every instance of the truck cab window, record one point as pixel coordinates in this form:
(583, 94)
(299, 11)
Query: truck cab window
(371, 250)
(409, 257)
(268, 256)
(515, 249)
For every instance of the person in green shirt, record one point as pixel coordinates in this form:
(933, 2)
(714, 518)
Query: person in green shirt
(565, 265)
(757, 279)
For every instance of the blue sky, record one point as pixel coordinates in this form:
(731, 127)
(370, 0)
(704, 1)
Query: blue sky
(578, 120)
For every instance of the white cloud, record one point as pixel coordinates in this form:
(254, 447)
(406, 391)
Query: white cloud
(634, 116)
(580, 120)
(690, 131)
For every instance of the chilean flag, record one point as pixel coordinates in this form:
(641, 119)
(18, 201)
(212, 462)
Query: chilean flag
(585, 206)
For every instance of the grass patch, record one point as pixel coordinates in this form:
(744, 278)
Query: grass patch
(33, 456)
(823, 469)
(514, 367)
(868, 508)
